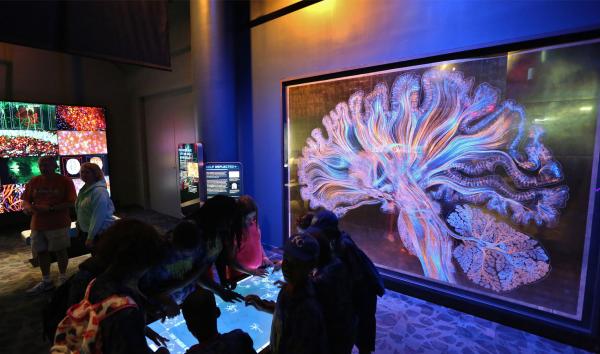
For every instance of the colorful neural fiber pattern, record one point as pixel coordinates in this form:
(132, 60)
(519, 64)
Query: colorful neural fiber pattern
(10, 197)
(493, 254)
(431, 142)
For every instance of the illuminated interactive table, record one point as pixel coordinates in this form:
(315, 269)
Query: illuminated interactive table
(233, 315)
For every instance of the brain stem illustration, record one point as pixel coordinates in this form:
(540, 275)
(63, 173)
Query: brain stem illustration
(430, 147)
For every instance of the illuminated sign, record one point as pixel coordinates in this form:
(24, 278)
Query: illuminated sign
(223, 178)
(190, 158)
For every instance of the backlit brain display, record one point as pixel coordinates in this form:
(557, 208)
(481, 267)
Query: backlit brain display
(474, 174)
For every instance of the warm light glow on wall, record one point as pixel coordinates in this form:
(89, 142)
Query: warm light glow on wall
(323, 7)
(316, 23)
(446, 66)
(510, 61)
(264, 7)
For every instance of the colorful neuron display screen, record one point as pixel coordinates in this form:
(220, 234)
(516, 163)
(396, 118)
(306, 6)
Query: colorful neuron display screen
(233, 316)
(190, 161)
(477, 173)
(73, 134)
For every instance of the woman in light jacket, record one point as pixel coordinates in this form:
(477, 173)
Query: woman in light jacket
(93, 206)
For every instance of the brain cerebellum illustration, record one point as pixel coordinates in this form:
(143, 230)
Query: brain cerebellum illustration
(433, 142)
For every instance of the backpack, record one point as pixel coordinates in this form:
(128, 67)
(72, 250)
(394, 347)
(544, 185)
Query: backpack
(68, 294)
(77, 333)
(361, 265)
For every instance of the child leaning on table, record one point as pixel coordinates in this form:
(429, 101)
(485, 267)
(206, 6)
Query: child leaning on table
(201, 312)
(249, 257)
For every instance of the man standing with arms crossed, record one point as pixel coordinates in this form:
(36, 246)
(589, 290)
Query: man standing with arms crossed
(47, 198)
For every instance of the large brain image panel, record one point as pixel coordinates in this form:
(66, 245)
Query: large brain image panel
(429, 139)
(474, 174)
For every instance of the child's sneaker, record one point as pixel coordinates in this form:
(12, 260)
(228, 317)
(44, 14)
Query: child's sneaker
(40, 287)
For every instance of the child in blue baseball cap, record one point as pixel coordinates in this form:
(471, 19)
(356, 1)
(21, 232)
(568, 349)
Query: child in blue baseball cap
(298, 325)
(333, 287)
(367, 284)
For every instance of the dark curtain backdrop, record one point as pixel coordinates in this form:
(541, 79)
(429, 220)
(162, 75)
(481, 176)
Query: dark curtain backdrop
(126, 31)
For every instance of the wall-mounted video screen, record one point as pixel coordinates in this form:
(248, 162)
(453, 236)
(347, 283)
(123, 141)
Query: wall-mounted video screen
(10, 199)
(17, 143)
(71, 165)
(190, 161)
(27, 116)
(81, 142)
(73, 134)
(80, 118)
(476, 174)
(19, 170)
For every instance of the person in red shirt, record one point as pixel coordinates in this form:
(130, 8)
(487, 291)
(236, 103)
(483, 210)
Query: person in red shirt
(47, 198)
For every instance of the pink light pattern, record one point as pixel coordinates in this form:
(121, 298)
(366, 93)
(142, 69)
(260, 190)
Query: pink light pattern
(81, 142)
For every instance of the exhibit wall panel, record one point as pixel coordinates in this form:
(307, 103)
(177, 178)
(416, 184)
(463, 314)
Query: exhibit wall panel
(162, 111)
(334, 35)
(168, 123)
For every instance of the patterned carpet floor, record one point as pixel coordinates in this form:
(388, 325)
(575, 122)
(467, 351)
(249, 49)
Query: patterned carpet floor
(404, 324)
(409, 325)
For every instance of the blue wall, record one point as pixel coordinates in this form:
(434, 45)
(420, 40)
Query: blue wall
(336, 35)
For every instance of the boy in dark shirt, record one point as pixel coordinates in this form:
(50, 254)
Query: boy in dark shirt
(367, 283)
(200, 304)
(298, 326)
